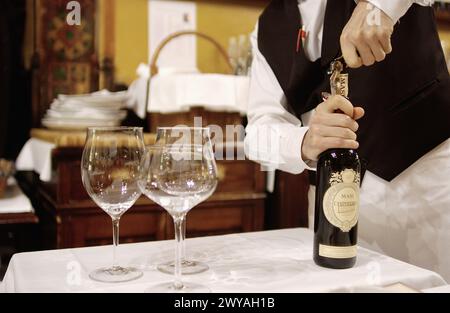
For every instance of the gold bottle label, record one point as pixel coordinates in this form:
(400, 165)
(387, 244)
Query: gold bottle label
(343, 85)
(339, 81)
(341, 201)
(333, 252)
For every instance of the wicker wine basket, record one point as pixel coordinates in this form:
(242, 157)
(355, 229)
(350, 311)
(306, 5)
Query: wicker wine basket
(163, 44)
(186, 118)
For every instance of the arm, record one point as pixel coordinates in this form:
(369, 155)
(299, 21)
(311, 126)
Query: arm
(395, 9)
(274, 135)
(366, 38)
(276, 138)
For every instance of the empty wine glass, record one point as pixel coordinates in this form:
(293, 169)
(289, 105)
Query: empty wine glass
(188, 267)
(180, 135)
(111, 168)
(181, 173)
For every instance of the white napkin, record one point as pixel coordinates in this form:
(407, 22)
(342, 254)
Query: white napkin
(15, 201)
(137, 92)
(36, 156)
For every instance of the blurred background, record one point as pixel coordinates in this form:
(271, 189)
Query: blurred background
(66, 65)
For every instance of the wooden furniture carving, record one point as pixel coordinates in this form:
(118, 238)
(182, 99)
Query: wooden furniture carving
(65, 57)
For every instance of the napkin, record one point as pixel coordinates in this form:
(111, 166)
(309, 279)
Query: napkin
(172, 91)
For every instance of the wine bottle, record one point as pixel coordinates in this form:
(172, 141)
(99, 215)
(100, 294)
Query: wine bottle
(337, 197)
(337, 207)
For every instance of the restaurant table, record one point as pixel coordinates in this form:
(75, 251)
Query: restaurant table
(18, 224)
(15, 201)
(16, 213)
(263, 262)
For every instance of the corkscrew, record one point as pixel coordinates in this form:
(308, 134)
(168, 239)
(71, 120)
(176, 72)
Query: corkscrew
(338, 79)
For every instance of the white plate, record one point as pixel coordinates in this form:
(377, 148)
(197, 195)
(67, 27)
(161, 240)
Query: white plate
(97, 98)
(86, 114)
(78, 124)
(80, 103)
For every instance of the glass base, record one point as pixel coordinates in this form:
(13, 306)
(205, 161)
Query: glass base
(116, 274)
(187, 267)
(170, 288)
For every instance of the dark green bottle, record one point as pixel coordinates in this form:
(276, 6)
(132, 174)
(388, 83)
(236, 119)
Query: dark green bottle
(337, 208)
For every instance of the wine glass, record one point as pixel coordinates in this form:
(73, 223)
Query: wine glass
(182, 135)
(179, 135)
(188, 267)
(111, 168)
(180, 174)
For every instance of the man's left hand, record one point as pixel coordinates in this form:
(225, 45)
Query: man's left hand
(366, 38)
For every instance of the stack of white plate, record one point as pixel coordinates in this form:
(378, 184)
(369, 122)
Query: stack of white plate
(77, 112)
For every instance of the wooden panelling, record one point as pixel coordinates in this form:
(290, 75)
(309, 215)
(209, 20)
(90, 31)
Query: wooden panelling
(69, 218)
(288, 205)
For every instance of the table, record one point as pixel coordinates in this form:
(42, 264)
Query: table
(17, 224)
(14, 202)
(266, 262)
(441, 289)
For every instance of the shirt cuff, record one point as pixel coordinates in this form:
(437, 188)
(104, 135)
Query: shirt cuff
(395, 9)
(306, 164)
(277, 147)
(291, 150)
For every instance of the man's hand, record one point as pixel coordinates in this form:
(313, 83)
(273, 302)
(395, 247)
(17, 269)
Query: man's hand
(366, 38)
(328, 130)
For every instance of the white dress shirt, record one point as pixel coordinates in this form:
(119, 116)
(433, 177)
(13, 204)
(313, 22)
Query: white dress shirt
(408, 218)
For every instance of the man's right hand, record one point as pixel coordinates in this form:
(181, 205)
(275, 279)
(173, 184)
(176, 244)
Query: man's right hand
(328, 130)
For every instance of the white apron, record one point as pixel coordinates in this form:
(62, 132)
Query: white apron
(408, 218)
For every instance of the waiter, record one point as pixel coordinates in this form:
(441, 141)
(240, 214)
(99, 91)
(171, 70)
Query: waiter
(398, 115)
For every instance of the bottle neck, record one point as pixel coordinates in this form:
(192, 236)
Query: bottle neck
(337, 151)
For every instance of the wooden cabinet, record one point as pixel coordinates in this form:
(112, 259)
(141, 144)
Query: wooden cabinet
(68, 217)
(288, 204)
(17, 234)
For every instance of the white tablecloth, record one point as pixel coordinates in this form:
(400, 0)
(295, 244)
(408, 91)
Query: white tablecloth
(441, 289)
(275, 261)
(215, 92)
(36, 156)
(15, 201)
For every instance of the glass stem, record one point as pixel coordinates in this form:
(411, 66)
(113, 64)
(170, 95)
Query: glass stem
(115, 224)
(183, 240)
(178, 223)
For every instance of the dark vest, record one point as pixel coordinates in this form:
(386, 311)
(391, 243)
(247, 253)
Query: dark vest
(406, 97)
